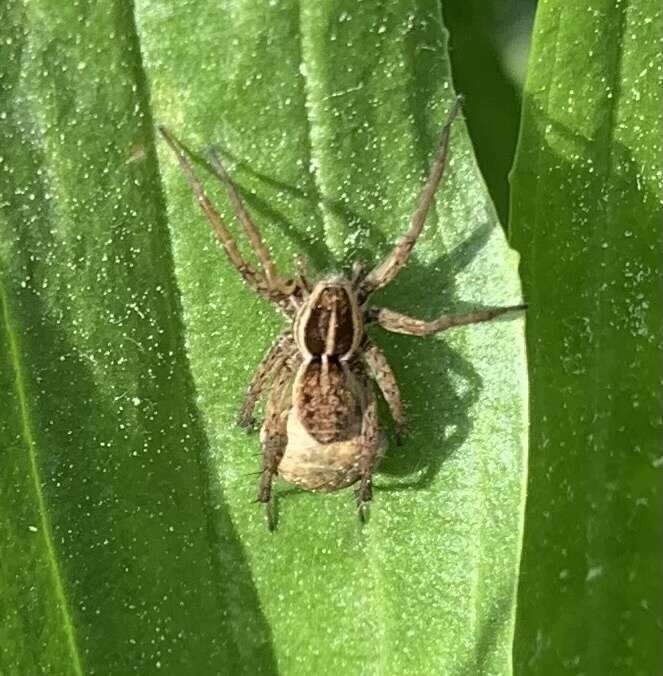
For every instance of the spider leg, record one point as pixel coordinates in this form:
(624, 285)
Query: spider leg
(303, 274)
(385, 272)
(358, 268)
(271, 363)
(381, 372)
(400, 323)
(372, 448)
(274, 280)
(274, 436)
(255, 280)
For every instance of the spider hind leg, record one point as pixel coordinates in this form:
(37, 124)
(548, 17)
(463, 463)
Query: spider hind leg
(372, 449)
(274, 438)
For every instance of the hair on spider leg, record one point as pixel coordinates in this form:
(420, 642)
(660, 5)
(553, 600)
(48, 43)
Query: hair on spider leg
(363, 512)
(249, 425)
(303, 276)
(356, 272)
(401, 433)
(272, 514)
(270, 511)
(252, 475)
(360, 507)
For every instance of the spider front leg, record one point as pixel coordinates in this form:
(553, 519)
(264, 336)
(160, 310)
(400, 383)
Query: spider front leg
(274, 280)
(400, 323)
(385, 272)
(268, 283)
(282, 348)
(381, 372)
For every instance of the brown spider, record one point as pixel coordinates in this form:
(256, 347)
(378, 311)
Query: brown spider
(321, 424)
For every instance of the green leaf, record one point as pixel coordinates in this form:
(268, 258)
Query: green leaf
(328, 114)
(492, 99)
(586, 218)
(135, 543)
(110, 532)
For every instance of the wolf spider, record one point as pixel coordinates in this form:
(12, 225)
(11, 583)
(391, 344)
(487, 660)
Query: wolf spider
(321, 430)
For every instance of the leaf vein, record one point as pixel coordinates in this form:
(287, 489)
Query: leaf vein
(28, 438)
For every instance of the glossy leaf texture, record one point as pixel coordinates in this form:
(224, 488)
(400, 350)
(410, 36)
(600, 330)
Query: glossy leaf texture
(110, 530)
(327, 114)
(586, 218)
(128, 341)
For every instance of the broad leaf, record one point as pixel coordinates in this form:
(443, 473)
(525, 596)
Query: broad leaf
(110, 534)
(586, 218)
(135, 545)
(328, 114)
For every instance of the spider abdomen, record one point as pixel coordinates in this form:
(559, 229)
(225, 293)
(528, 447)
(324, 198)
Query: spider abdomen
(327, 401)
(324, 427)
(317, 466)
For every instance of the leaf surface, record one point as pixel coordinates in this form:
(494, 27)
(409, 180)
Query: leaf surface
(327, 114)
(149, 553)
(586, 218)
(110, 531)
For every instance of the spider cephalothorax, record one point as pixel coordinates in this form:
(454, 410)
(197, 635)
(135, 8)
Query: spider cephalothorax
(321, 426)
(329, 322)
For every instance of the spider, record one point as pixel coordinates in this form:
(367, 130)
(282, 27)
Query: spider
(320, 431)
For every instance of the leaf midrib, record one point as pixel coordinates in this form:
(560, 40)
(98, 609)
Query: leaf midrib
(30, 445)
(601, 370)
